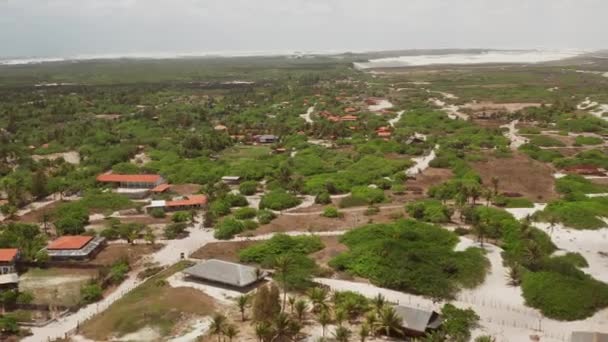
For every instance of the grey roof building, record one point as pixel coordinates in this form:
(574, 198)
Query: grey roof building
(586, 336)
(224, 272)
(417, 321)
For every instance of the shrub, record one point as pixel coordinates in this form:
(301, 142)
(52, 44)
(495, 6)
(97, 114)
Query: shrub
(236, 200)
(582, 140)
(371, 210)
(180, 216)
(323, 198)
(350, 201)
(545, 141)
(383, 183)
(398, 189)
(71, 218)
(245, 213)
(248, 188)
(219, 208)
(370, 195)
(250, 224)
(279, 200)
(174, 230)
(519, 203)
(265, 216)
(227, 228)
(90, 293)
(411, 256)
(429, 211)
(157, 213)
(118, 271)
(564, 297)
(331, 212)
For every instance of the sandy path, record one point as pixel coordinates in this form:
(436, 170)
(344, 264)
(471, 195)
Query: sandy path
(306, 116)
(513, 135)
(396, 119)
(168, 255)
(421, 163)
(453, 111)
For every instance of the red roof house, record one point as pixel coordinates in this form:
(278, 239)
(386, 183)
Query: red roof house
(131, 181)
(8, 255)
(75, 247)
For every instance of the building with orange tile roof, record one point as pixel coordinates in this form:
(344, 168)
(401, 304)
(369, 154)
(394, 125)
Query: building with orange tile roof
(350, 110)
(9, 279)
(131, 181)
(75, 247)
(349, 118)
(185, 203)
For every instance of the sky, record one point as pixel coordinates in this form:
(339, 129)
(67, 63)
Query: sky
(63, 28)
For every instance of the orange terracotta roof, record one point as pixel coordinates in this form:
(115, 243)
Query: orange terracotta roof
(350, 110)
(8, 254)
(349, 118)
(70, 242)
(190, 200)
(161, 188)
(115, 178)
(384, 134)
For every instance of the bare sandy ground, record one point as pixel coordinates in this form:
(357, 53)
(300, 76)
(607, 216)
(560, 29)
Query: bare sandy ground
(71, 157)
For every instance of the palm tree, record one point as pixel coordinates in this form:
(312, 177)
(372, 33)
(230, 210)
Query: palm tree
(371, 319)
(231, 331)
(282, 264)
(291, 300)
(532, 254)
(301, 306)
(342, 334)
(324, 319)
(363, 332)
(514, 275)
(487, 194)
(318, 297)
(281, 327)
(389, 321)
(340, 316)
(379, 302)
(480, 230)
(242, 302)
(218, 323)
(263, 331)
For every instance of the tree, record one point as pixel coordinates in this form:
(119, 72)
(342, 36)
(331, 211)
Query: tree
(149, 236)
(342, 334)
(379, 302)
(515, 275)
(495, 182)
(281, 326)
(324, 319)
(318, 297)
(218, 323)
(457, 323)
(282, 264)
(263, 331)
(480, 228)
(364, 332)
(340, 316)
(266, 303)
(389, 322)
(39, 184)
(230, 331)
(301, 306)
(291, 301)
(243, 302)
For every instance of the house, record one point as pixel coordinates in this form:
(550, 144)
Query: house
(585, 336)
(349, 110)
(231, 180)
(349, 118)
(220, 128)
(185, 203)
(225, 273)
(417, 322)
(9, 279)
(161, 188)
(266, 139)
(75, 247)
(131, 181)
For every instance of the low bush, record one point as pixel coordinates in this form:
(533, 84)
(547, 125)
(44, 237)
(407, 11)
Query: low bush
(582, 140)
(245, 213)
(90, 293)
(323, 198)
(235, 200)
(265, 216)
(227, 228)
(519, 203)
(279, 200)
(175, 230)
(371, 210)
(180, 216)
(248, 188)
(429, 210)
(331, 212)
(157, 213)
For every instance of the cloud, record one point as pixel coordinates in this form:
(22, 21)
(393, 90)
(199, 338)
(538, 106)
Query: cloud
(70, 27)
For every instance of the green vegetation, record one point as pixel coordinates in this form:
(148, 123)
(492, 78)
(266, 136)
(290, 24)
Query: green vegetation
(411, 256)
(279, 200)
(545, 141)
(583, 140)
(295, 249)
(429, 211)
(331, 212)
(248, 188)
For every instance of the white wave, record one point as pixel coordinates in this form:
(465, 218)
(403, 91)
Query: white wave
(519, 56)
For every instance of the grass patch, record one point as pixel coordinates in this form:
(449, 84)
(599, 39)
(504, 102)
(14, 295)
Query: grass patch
(153, 303)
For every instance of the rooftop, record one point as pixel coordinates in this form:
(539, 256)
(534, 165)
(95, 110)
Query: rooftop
(70, 242)
(116, 178)
(225, 272)
(189, 200)
(84, 251)
(8, 254)
(416, 319)
(161, 188)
